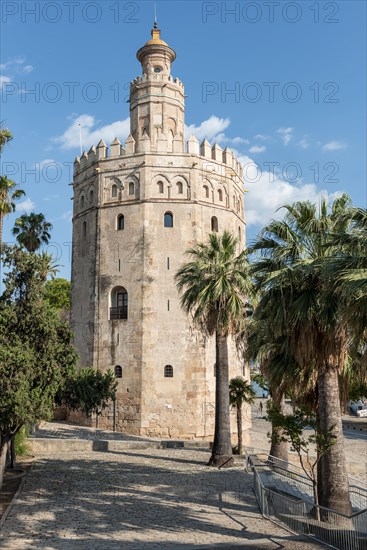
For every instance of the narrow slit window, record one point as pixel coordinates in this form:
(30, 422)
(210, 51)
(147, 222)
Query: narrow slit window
(168, 371)
(120, 222)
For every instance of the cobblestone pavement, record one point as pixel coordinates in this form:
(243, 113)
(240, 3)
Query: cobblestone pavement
(156, 499)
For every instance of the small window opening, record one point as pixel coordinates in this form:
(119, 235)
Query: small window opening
(214, 224)
(131, 188)
(168, 219)
(120, 222)
(179, 188)
(118, 371)
(168, 371)
(160, 187)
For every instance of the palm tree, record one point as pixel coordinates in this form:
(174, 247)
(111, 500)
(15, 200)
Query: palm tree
(8, 195)
(240, 392)
(214, 286)
(293, 264)
(32, 230)
(8, 188)
(5, 136)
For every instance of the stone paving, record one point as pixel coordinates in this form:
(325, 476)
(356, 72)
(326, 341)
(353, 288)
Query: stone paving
(145, 499)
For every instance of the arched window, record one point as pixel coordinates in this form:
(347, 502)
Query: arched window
(120, 222)
(118, 371)
(220, 195)
(179, 188)
(114, 190)
(168, 219)
(82, 201)
(168, 371)
(206, 191)
(131, 188)
(214, 224)
(119, 303)
(160, 187)
(91, 194)
(84, 230)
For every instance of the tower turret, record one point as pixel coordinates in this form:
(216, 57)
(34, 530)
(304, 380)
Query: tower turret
(156, 99)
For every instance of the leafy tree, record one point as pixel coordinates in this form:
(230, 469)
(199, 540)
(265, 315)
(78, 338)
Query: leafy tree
(88, 390)
(291, 427)
(31, 231)
(36, 350)
(292, 272)
(214, 286)
(57, 294)
(240, 392)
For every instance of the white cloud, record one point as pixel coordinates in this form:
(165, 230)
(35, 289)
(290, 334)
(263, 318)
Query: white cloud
(25, 206)
(304, 143)
(43, 163)
(209, 129)
(334, 146)
(68, 216)
(91, 135)
(286, 134)
(261, 137)
(239, 140)
(4, 80)
(13, 67)
(257, 149)
(268, 191)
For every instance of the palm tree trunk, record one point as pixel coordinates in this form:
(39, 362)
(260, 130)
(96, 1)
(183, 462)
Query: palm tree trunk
(222, 448)
(239, 427)
(334, 485)
(278, 449)
(1, 228)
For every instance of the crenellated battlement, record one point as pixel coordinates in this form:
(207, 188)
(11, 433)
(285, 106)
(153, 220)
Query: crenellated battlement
(155, 77)
(204, 149)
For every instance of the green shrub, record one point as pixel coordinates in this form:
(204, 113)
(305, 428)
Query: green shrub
(21, 443)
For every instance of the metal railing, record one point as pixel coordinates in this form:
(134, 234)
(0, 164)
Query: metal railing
(287, 498)
(118, 313)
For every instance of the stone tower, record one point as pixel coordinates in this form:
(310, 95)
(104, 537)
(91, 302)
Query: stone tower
(137, 209)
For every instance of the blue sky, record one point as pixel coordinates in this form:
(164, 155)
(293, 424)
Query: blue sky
(281, 83)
